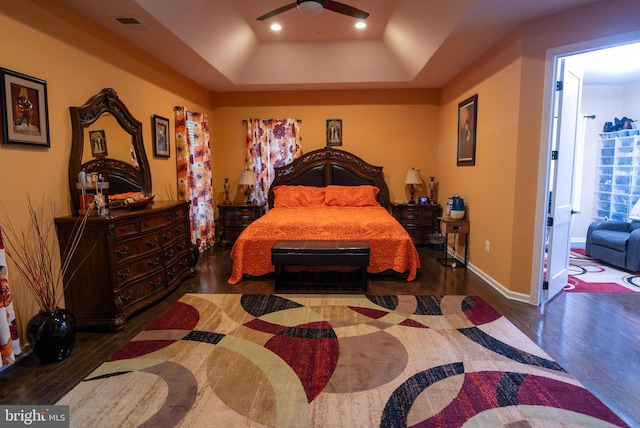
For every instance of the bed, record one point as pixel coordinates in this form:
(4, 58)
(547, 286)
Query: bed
(327, 194)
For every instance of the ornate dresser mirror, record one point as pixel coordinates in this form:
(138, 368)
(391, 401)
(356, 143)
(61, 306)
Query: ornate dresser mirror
(122, 160)
(131, 257)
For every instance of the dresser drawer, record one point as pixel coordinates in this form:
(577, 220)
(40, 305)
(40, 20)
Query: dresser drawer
(140, 290)
(174, 232)
(135, 268)
(179, 268)
(122, 230)
(135, 246)
(175, 249)
(161, 221)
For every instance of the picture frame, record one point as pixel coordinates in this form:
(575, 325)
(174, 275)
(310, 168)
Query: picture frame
(98, 143)
(334, 132)
(467, 126)
(25, 114)
(161, 137)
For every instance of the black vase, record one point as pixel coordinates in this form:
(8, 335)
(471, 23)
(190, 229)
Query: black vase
(52, 334)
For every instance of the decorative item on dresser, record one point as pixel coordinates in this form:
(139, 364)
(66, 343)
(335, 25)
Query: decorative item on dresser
(233, 219)
(419, 220)
(136, 254)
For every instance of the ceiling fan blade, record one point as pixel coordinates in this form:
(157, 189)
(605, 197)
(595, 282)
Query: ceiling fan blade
(345, 9)
(276, 11)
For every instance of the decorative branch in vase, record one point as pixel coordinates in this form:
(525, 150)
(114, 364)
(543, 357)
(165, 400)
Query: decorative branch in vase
(51, 332)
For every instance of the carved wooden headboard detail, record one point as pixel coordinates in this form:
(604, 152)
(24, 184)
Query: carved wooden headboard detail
(327, 166)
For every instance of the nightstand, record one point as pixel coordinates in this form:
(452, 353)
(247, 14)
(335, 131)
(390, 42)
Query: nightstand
(456, 227)
(233, 219)
(420, 220)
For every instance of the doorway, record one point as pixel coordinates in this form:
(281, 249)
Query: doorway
(606, 69)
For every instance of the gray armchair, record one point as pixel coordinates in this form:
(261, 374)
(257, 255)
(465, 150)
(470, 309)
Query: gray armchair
(615, 242)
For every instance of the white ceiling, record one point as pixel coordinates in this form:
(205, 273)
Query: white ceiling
(407, 43)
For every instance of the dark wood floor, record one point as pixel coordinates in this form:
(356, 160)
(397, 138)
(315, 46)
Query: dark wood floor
(594, 336)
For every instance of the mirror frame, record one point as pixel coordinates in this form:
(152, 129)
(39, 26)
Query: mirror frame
(106, 101)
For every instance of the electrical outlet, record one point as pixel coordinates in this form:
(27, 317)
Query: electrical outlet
(486, 246)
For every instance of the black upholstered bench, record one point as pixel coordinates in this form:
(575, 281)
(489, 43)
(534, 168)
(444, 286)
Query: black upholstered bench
(319, 253)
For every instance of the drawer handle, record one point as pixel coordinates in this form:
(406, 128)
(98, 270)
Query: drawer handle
(124, 274)
(167, 236)
(181, 246)
(172, 273)
(155, 262)
(180, 230)
(122, 230)
(153, 243)
(183, 263)
(171, 216)
(156, 283)
(170, 254)
(146, 224)
(127, 297)
(123, 252)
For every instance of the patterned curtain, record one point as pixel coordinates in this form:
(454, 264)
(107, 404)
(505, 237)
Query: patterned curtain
(194, 174)
(270, 143)
(9, 340)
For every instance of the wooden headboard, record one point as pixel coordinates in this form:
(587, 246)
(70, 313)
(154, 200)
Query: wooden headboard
(326, 166)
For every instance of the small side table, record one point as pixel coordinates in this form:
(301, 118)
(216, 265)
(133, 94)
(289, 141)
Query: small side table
(233, 219)
(448, 226)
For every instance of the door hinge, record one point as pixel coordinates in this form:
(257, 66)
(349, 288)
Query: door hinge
(559, 85)
(554, 155)
(550, 221)
(545, 285)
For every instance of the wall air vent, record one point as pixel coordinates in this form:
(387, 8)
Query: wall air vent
(131, 22)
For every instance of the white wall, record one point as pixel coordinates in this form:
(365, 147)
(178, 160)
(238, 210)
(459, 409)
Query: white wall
(607, 102)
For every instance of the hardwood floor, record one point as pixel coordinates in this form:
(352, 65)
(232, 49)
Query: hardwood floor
(594, 336)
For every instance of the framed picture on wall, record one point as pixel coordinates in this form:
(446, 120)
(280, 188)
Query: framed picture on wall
(98, 143)
(161, 145)
(25, 117)
(467, 122)
(334, 132)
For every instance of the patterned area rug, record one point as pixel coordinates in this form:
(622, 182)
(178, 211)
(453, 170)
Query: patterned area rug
(333, 361)
(591, 275)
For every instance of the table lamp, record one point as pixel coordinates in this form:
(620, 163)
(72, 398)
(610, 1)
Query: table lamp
(412, 178)
(247, 179)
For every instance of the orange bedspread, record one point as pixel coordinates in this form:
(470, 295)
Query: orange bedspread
(391, 246)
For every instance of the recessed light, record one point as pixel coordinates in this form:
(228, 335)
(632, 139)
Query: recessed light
(360, 25)
(276, 27)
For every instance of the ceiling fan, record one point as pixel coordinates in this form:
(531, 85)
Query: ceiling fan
(312, 7)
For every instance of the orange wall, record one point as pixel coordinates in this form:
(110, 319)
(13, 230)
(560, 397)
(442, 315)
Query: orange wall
(76, 65)
(396, 137)
(503, 192)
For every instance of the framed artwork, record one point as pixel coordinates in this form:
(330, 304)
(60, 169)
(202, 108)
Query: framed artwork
(334, 132)
(98, 143)
(161, 146)
(25, 117)
(467, 117)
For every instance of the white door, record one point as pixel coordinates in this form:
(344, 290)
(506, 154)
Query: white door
(568, 106)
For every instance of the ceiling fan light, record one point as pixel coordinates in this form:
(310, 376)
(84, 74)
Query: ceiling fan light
(310, 7)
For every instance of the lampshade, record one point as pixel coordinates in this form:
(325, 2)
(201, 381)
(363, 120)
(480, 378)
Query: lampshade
(310, 7)
(413, 176)
(247, 178)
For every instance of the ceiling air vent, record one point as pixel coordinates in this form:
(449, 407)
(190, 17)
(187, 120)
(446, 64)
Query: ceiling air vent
(131, 22)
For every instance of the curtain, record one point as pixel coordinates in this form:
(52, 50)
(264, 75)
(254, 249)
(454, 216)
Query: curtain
(193, 158)
(9, 340)
(270, 143)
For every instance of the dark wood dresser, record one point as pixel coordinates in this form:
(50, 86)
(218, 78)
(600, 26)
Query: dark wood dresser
(233, 219)
(418, 219)
(133, 258)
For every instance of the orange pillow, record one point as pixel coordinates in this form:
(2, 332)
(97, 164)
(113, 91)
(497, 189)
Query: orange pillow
(298, 196)
(351, 196)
